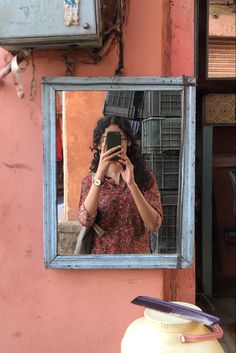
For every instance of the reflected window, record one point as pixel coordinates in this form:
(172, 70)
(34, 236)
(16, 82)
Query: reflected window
(221, 39)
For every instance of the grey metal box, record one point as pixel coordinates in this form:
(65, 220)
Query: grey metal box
(38, 23)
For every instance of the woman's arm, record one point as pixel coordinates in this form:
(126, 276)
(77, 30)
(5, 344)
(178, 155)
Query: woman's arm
(91, 201)
(151, 216)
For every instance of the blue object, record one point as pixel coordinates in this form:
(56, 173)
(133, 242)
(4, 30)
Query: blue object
(176, 310)
(71, 3)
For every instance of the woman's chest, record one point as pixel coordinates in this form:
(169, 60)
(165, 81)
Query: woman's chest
(117, 203)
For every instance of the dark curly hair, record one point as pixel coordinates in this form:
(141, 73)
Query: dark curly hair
(142, 176)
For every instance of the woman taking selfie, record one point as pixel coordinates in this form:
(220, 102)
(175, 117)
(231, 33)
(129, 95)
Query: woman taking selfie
(119, 195)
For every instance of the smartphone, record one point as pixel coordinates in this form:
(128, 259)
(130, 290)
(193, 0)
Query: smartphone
(113, 139)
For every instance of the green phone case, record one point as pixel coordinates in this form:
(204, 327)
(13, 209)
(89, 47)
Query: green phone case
(113, 139)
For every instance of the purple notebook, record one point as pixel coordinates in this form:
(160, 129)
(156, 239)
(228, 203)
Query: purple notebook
(176, 310)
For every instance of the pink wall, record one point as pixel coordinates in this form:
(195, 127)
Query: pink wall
(70, 311)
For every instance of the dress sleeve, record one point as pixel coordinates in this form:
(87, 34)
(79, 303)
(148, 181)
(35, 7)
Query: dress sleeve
(83, 217)
(153, 197)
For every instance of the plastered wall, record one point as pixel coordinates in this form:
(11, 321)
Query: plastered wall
(84, 311)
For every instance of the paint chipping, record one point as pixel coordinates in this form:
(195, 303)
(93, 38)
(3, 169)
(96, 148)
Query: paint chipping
(18, 166)
(17, 334)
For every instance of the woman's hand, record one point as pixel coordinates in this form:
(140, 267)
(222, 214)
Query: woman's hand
(126, 169)
(105, 160)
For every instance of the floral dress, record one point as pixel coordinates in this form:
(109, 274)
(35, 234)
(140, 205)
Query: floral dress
(123, 230)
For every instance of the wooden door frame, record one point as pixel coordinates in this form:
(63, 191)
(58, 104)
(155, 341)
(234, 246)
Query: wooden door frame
(207, 185)
(205, 86)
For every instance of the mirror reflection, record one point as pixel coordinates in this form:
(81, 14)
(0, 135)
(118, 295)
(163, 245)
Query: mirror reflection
(126, 209)
(221, 38)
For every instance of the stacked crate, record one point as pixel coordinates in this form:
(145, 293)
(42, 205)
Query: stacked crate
(120, 103)
(161, 142)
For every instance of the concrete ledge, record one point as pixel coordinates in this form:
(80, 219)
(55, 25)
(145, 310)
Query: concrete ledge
(67, 237)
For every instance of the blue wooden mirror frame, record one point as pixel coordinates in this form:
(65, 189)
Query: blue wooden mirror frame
(185, 237)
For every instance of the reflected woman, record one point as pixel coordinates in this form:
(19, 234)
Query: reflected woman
(120, 198)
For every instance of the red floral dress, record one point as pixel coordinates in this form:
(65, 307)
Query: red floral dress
(118, 216)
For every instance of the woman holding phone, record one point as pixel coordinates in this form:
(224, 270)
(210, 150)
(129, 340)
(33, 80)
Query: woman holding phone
(119, 196)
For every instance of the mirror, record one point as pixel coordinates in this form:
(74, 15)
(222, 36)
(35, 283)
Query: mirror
(161, 112)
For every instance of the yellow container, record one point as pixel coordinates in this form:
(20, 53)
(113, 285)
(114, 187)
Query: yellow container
(159, 332)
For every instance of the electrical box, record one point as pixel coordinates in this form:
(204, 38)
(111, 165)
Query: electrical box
(54, 24)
